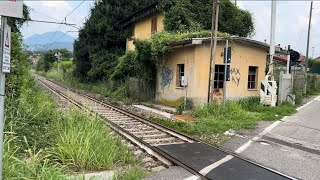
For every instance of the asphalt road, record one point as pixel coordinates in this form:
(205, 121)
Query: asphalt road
(292, 147)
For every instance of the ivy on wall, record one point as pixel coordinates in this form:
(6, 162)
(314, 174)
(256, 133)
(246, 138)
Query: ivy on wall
(150, 53)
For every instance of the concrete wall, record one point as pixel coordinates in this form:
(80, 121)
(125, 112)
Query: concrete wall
(196, 60)
(142, 28)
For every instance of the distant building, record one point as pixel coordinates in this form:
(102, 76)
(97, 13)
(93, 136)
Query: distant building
(34, 60)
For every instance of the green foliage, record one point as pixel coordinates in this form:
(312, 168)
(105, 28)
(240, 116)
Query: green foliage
(16, 23)
(101, 42)
(46, 61)
(314, 66)
(189, 15)
(126, 66)
(31, 115)
(149, 53)
(85, 144)
(19, 67)
(180, 108)
(131, 173)
(33, 166)
(214, 119)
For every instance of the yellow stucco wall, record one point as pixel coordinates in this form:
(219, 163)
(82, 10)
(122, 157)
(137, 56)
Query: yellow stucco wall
(196, 60)
(142, 28)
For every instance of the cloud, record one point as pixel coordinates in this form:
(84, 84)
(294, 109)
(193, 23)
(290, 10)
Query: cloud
(292, 22)
(55, 11)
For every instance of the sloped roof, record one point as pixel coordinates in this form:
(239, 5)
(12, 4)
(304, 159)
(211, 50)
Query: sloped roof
(197, 41)
(284, 58)
(144, 12)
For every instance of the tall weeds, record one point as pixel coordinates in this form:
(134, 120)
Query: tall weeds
(85, 144)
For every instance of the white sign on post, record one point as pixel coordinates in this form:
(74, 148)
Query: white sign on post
(5, 65)
(11, 8)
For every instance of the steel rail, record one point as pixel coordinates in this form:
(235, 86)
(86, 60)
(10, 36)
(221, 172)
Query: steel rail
(166, 129)
(152, 150)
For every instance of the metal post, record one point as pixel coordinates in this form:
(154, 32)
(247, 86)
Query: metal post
(272, 37)
(2, 91)
(288, 61)
(308, 39)
(225, 75)
(214, 50)
(211, 50)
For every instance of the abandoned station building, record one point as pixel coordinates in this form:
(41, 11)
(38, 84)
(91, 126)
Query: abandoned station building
(191, 59)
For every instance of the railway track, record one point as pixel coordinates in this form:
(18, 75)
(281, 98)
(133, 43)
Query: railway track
(147, 135)
(143, 133)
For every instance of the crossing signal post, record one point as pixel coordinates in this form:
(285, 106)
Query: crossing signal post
(227, 61)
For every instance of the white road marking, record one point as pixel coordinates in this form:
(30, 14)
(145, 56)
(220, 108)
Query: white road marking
(264, 132)
(269, 128)
(209, 168)
(315, 99)
(245, 146)
(194, 177)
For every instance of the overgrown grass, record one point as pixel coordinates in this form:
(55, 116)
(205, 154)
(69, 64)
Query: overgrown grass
(34, 165)
(43, 143)
(131, 173)
(214, 119)
(84, 144)
(31, 116)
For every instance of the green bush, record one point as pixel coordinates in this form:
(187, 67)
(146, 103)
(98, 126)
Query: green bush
(214, 119)
(180, 108)
(31, 116)
(85, 144)
(34, 165)
(131, 173)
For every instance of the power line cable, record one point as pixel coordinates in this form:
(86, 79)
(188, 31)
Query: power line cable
(44, 15)
(65, 20)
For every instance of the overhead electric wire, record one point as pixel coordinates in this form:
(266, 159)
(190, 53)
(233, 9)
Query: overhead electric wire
(44, 15)
(62, 21)
(75, 8)
(50, 22)
(69, 30)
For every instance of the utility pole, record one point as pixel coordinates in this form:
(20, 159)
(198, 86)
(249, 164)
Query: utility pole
(308, 39)
(213, 48)
(225, 74)
(2, 89)
(272, 37)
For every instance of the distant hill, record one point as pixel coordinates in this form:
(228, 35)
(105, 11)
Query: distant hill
(45, 41)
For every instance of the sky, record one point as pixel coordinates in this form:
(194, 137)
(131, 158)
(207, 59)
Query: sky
(291, 22)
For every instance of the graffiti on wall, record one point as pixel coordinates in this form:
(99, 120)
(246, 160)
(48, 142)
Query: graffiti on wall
(235, 76)
(167, 76)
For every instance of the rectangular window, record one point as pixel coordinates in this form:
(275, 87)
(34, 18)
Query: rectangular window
(218, 76)
(252, 77)
(154, 23)
(180, 74)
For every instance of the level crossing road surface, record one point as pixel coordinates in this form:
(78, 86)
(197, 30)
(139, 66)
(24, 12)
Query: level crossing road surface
(216, 164)
(292, 147)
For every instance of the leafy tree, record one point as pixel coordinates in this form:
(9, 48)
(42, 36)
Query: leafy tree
(19, 62)
(101, 42)
(66, 55)
(190, 15)
(46, 61)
